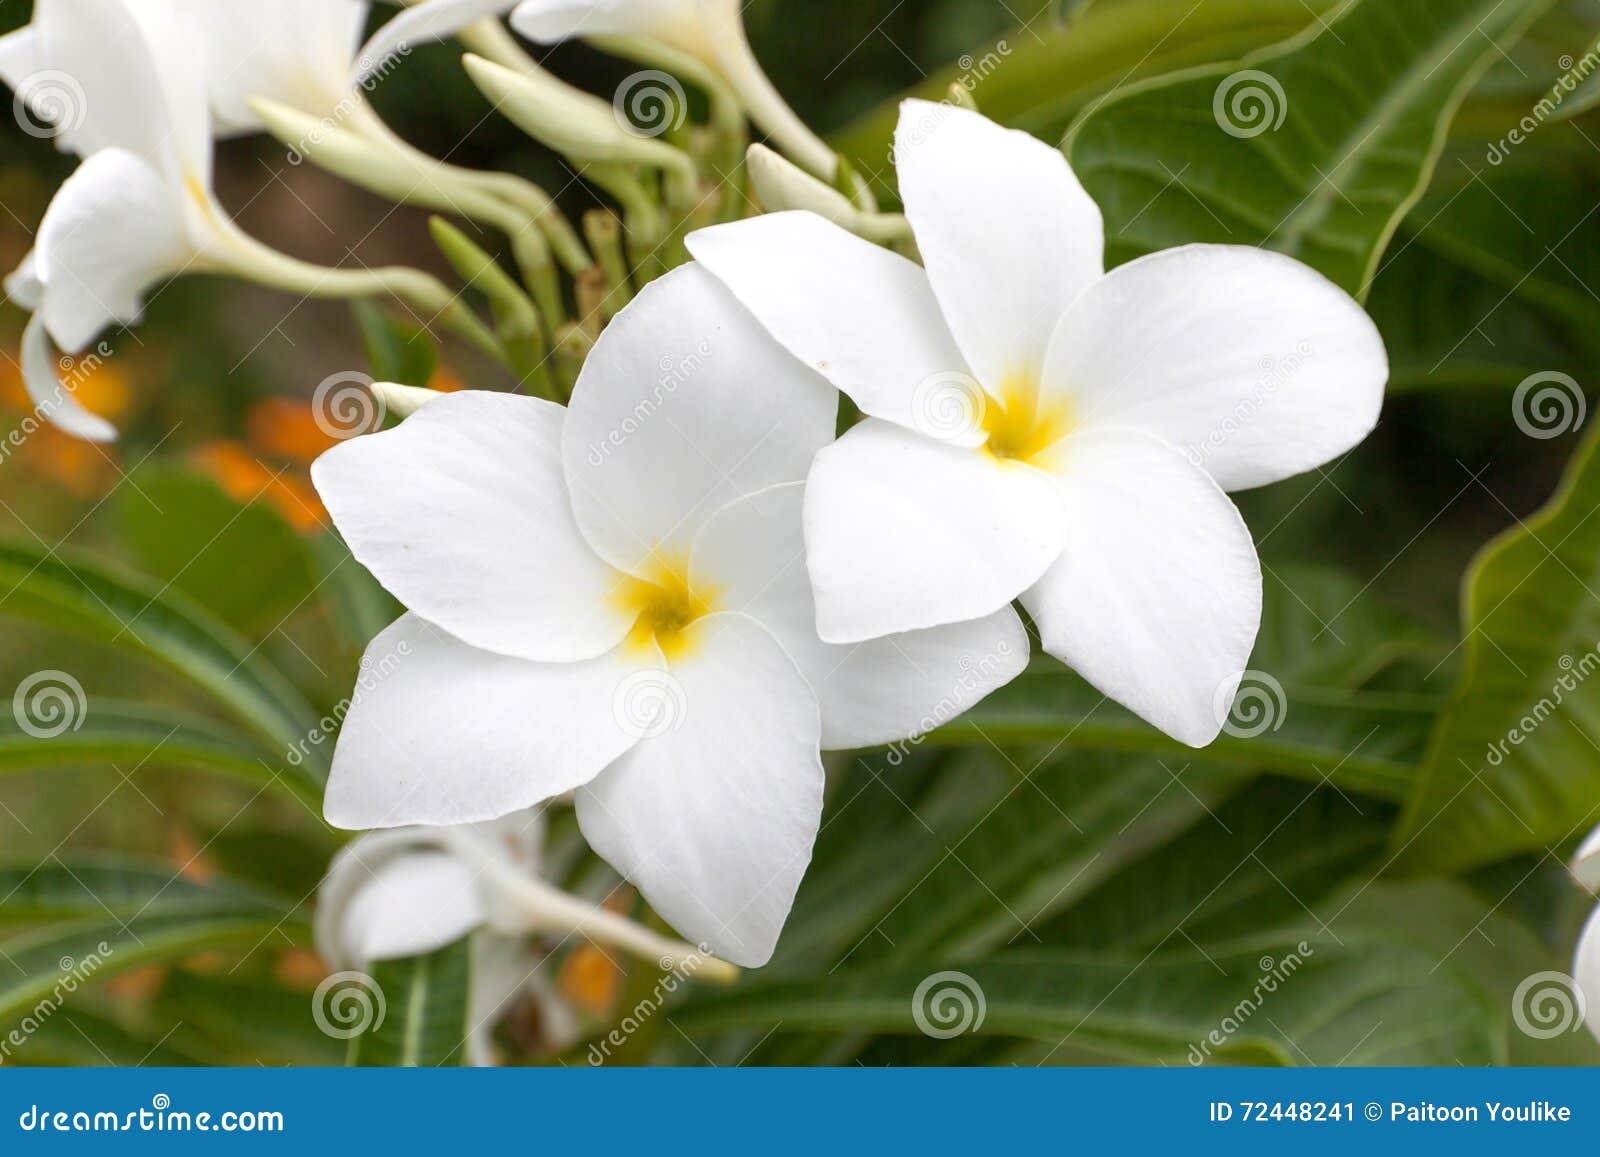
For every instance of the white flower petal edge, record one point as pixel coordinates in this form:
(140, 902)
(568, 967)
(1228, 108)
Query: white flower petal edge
(1256, 365)
(947, 534)
(111, 232)
(423, 23)
(462, 513)
(1156, 598)
(715, 821)
(879, 691)
(1007, 233)
(1585, 866)
(51, 397)
(1586, 971)
(861, 316)
(687, 392)
(442, 733)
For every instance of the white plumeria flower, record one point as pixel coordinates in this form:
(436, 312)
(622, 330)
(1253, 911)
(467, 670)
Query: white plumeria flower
(612, 598)
(401, 893)
(1028, 414)
(410, 891)
(140, 208)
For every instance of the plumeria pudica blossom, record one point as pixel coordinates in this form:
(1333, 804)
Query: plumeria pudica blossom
(1040, 429)
(611, 599)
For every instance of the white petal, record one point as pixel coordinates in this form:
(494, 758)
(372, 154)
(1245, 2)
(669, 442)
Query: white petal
(903, 533)
(549, 21)
(714, 821)
(412, 905)
(1586, 971)
(683, 405)
(295, 52)
(863, 317)
(753, 554)
(138, 83)
(1586, 865)
(51, 394)
(23, 286)
(19, 56)
(1156, 599)
(1007, 233)
(1255, 364)
(112, 232)
(442, 733)
(423, 23)
(462, 513)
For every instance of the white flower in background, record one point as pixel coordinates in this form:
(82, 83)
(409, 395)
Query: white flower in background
(1586, 962)
(410, 891)
(1026, 413)
(140, 208)
(612, 598)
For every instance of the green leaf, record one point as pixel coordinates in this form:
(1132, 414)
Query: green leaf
(1040, 78)
(139, 738)
(1316, 148)
(117, 886)
(79, 1039)
(1263, 859)
(91, 598)
(51, 963)
(1514, 763)
(242, 562)
(1300, 711)
(397, 351)
(246, 1022)
(426, 1003)
(1367, 1001)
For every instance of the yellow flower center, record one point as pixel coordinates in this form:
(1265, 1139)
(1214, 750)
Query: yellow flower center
(665, 606)
(1022, 423)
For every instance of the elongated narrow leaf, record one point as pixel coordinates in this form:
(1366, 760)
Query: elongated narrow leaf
(76, 593)
(1316, 148)
(65, 887)
(51, 963)
(1367, 1001)
(79, 1039)
(426, 1007)
(1514, 764)
(131, 736)
(245, 1022)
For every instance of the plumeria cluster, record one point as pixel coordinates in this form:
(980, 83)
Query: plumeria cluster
(661, 590)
